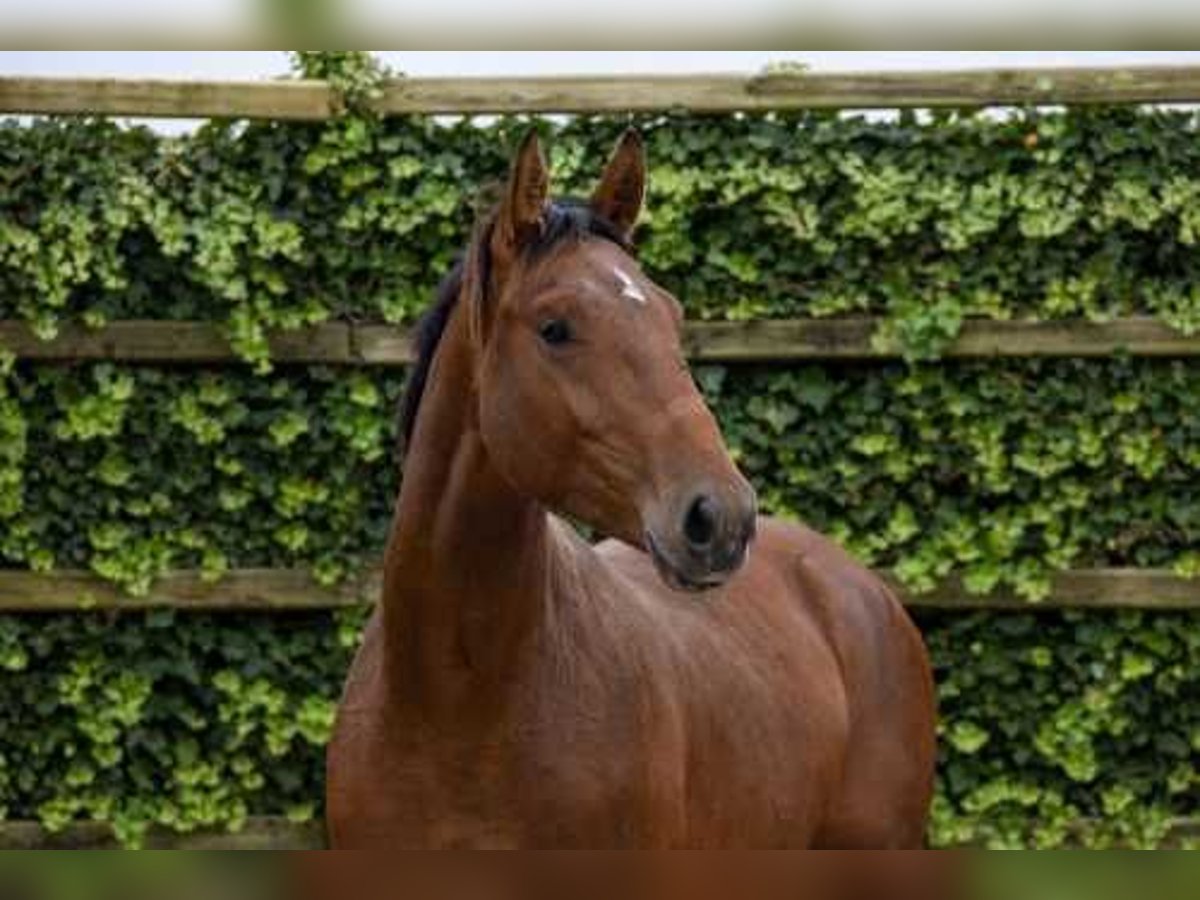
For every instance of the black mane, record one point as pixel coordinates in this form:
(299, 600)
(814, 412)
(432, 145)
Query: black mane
(565, 220)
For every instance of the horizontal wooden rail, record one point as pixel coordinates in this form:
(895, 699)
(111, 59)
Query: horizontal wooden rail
(315, 100)
(257, 834)
(250, 590)
(167, 98)
(241, 590)
(187, 342)
(340, 343)
(853, 339)
(1148, 589)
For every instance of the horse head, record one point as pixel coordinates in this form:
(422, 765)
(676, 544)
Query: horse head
(585, 398)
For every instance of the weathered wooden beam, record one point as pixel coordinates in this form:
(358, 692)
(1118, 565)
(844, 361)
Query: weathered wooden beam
(160, 341)
(339, 343)
(853, 339)
(250, 590)
(240, 590)
(257, 834)
(1148, 589)
(163, 98)
(381, 345)
(711, 93)
(992, 87)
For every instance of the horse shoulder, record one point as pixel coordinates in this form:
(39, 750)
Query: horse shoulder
(598, 716)
(762, 715)
(859, 613)
(357, 744)
(889, 689)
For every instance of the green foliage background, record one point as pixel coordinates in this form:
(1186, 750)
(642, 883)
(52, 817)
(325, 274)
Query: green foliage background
(1004, 472)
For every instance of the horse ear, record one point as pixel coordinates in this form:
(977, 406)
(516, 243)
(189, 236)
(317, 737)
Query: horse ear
(523, 209)
(518, 221)
(622, 188)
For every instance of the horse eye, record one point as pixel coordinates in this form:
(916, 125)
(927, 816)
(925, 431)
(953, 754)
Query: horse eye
(555, 332)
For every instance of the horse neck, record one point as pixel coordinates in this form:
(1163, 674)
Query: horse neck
(465, 571)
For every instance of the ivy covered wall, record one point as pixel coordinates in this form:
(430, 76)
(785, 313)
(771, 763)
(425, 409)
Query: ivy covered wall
(926, 220)
(1002, 471)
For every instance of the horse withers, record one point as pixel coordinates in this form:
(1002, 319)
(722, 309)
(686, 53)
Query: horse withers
(704, 679)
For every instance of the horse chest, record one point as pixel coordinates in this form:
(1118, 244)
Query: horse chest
(599, 764)
(650, 747)
(613, 740)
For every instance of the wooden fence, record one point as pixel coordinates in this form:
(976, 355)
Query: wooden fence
(783, 90)
(724, 342)
(764, 341)
(768, 341)
(250, 590)
(336, 343)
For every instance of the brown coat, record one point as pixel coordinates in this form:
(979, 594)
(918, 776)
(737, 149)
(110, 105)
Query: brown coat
(521, 689)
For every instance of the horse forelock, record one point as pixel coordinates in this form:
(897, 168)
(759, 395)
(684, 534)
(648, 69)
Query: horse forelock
(565, 220)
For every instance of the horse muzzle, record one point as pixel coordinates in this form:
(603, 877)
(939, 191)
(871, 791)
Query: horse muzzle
(706, 539)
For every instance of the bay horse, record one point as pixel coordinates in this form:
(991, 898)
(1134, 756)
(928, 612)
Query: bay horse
(667, 689)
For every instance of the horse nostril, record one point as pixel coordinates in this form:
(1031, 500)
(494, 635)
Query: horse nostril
(700, 525)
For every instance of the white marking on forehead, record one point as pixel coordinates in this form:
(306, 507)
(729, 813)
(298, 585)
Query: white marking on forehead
(629, 289)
